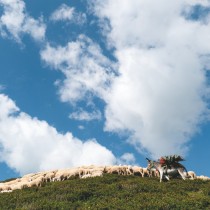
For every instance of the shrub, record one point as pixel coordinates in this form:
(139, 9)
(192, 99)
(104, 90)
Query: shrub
(111, 192)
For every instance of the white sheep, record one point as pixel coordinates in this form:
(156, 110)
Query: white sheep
(94, 173)
(36, 182)
(154, 173)
(85, 176)
(62, 175)
(30, 177)
(125, 170)
(19, 186)
(89, 169)
(4, 187)
(202, 177)
(129, 170)
(58, 175)
(49, 176)
(145, 171)
(6, 191)
(191, 175)
(113, 170)
(137, 170)
(13, 181)
(84, 171)
(97, 173)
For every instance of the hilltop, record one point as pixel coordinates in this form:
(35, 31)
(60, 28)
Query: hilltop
(111, 192)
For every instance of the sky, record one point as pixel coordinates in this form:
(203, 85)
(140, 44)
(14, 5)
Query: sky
(103, 82)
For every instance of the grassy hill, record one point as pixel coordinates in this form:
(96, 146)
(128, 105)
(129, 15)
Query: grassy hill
(111, 192)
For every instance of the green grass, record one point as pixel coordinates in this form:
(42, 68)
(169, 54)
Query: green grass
(111, 192)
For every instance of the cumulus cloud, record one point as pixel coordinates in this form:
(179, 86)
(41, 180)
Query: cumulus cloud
(29, 145)
(127, 159)
(87, 71)
(15, 21)
(160, 93)
(83, 115)
(66, 13)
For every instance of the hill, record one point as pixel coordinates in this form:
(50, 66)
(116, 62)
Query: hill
(111, 192)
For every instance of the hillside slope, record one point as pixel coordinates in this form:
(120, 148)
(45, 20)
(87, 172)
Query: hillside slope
(111, 192)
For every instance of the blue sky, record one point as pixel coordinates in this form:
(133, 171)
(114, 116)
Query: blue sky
(86, 82)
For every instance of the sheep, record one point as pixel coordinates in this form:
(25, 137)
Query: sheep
(14, 184)
(84, 171)
(192, 175)
(202, 177)
(31, 177)
(145, 171)
(36, 179)
(85, 176)
(97, 173)
(58, 175)
(28, 175)
(137, 170)
(125, 170)
(19, 186)
(154, 173)
(89, 169)
(94, 173)
(36, 182)
(96, 169)
(62, 175)
(13, 181)
(4, 187)
(71, 173)
(107, 169)
(113, 170)
(49, 176)
(6, 191)
(100, 168)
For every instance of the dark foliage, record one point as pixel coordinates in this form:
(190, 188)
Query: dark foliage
(111, 192)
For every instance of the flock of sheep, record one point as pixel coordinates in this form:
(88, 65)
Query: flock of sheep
(38, 179)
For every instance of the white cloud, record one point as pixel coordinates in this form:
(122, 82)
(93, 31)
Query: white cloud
(127, 159)
(30, 145)
(81, 127)
(66, 13)
(83, 115)
(85, 68)
(15, 21)
(160, 93)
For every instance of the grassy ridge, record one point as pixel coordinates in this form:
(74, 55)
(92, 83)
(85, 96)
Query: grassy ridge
(111, 192)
